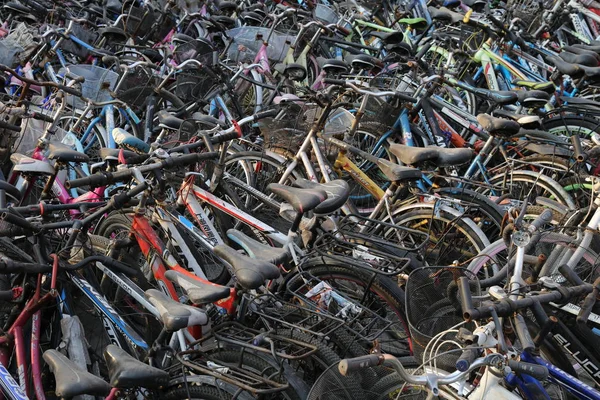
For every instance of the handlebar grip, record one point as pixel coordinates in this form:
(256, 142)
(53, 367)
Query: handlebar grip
(570, 275)
(357, 363)
(6, 295)
(189, 159)
(12, 267)
(406, 98)
(265, 114)
(343, 30)
(226, 137)
(42, 117)
(10, 127)
(69, 90)
(17, 220)
(466, 302)
(331, 81)
(577, 149)
(586, 307)
(108, 59)
(539, 372)
(93, 181)
(119, 200)
(467, 357)
(544, 218)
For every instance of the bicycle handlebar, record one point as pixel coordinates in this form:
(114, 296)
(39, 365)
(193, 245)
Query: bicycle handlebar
(107, 178)
(357, 89)
(58, 86)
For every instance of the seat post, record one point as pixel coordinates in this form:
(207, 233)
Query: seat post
(50, 182)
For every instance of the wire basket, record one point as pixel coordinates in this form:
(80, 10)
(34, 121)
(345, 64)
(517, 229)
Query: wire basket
(97, 85)
(529, 11)
(247, 41)
(199, 50)
(381, 113)
(31, 130)
(432, 309)
(240, 335)
(325, 14)
(289, 129)
(136, 78)
(362, 322)
(278, 314)
(85, 35)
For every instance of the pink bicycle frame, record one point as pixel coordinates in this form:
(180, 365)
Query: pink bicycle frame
(14, 336)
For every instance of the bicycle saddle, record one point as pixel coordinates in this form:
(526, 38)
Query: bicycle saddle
(526, 121)
(166, 120)
(398, 173)
(591, 48)
(499, 97)
(337, 192)
(130, 142)
(226, 5)
(249, 273)
(584, 59)
(71, 380)
(126, 372)
(131, 157)
(333, 65)
(251, 17)
(476, 5)
(301, 200)
(389, 37)
(591, 72)
(438, 156)
(17, 7)
(62, 153)
(198, 292)
(443, 14)
(547, 87)
(207, 121)
(498, 127)
(114, 6)
(573, 70)
(224, 20)
(182, 38)
(258, 250)
(174, 315)
(10, 190)
(366, 62)
(152, 54)
(580, 101)
(23, 163)
(532, 98)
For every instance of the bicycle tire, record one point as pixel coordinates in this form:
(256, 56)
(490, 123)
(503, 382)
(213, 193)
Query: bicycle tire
(196, 392)
(382, 289)
(423, 216)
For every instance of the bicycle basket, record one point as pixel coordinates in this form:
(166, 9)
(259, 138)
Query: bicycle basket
(379, 115)
(136, 78)
(325, 14)
(248, 40)
(85, 35)
(362, 384)
(98, 82)
(31, 131)
(432, 308)
(288, 130)
(18, 46)
(199, 50)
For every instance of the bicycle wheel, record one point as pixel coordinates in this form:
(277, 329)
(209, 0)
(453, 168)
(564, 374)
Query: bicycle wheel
(197, 392)
(495, 256)
(379, 294)
(520, 185)
(452, 236)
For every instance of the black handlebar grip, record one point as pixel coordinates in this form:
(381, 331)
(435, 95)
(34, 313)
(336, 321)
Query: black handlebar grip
(331, 81)
(93, 181)
(343, 30)
(10, 266)
(544, 218)
(539, 372)
(577, 149)
(189, 159)
(42, 117)
(358, 363)
(406, 98)
(69, 90)
(467, 357)
(423, 50)
(226, 137)
(570, 275)
(6, 295)
(586, 307)
(466, 302)
(10, 127)
(265, 114)
(17, 220)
